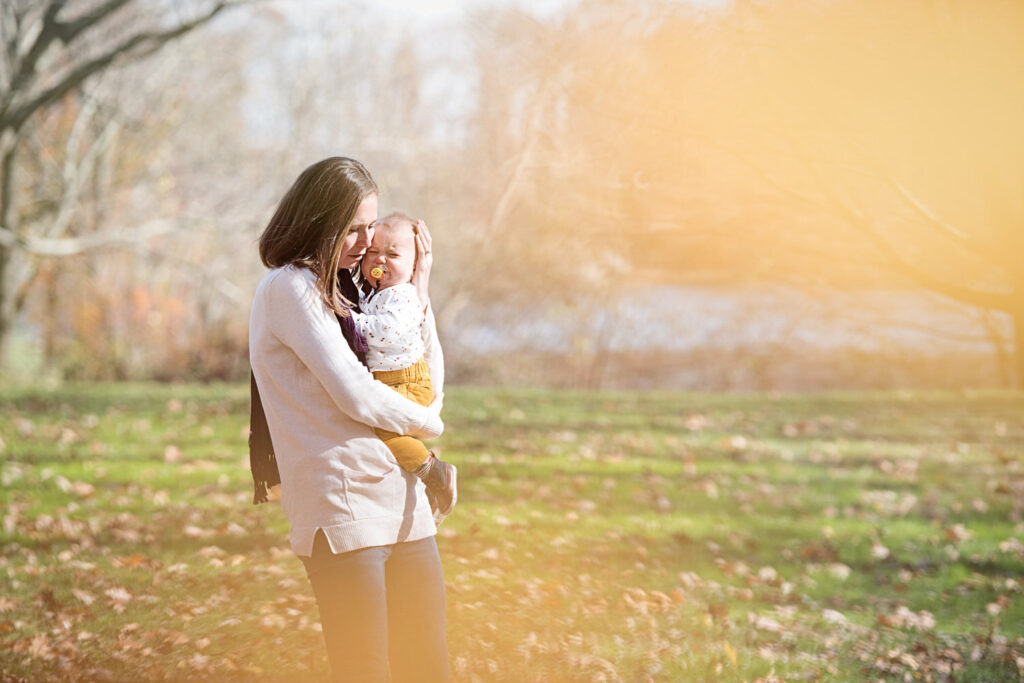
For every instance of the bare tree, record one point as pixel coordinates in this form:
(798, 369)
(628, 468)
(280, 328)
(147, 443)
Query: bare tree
(851, 144)
(874, 114)
(51, 51)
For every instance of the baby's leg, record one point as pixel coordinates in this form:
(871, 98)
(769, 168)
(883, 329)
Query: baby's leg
(438, 476)
(410, 452)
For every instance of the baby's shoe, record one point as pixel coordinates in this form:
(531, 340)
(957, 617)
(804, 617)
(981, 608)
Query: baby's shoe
(440, 480)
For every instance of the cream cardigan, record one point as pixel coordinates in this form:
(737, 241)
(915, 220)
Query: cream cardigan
(322, 405)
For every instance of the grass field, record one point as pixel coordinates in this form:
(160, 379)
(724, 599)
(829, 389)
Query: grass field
(599, 537)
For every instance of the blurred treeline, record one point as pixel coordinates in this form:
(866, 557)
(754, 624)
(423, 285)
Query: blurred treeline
(564, 164)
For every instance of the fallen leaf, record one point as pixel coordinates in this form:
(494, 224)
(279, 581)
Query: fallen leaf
(172, 453)
(729, 652)
(39, 647)
(83, 489)
(83, 596)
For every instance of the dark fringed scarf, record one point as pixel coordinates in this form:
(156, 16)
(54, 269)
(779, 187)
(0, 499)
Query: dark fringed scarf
(261, 451)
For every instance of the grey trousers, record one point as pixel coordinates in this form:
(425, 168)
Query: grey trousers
(382, 607)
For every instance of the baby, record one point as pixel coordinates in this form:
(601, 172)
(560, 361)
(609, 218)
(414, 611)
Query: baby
(392, 322)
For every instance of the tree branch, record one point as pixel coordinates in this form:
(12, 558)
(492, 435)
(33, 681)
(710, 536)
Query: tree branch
(47, 34)
(764, 174)
(67, 246)
(78, 169)
(896, 260)
(23, 67)
(9, 141)
(983, 299)
(961, 239)
(951, 231)
(145, 42)
(8, 238)
(69, 30)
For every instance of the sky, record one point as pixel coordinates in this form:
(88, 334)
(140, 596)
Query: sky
(442, 10)
(426, 13)
(437, 27)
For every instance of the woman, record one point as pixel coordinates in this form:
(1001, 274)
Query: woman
(360, 524)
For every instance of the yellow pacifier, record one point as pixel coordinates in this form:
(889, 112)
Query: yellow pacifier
(376, 272)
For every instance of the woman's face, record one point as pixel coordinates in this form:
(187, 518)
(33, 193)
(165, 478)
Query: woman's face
(360, 235)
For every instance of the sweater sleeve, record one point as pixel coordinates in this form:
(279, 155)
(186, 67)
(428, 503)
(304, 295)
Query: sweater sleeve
(303, 323)
(434, 356)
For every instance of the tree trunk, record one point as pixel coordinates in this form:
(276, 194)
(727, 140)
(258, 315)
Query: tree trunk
(6, 302)
(8, 232)
(53, 318)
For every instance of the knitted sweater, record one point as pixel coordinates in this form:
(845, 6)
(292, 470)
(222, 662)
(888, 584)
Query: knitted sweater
(321, 405)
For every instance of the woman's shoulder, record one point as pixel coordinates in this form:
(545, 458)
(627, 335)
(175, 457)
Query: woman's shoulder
(288, 273)
(289, 281)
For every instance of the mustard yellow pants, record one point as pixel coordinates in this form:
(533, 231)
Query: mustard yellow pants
(414, 383)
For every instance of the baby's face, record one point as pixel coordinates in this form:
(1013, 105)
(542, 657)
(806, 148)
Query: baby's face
(393, 251)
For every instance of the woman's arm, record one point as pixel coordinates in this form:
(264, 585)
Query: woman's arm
(434, 357)
(421, 279)
(302, 322)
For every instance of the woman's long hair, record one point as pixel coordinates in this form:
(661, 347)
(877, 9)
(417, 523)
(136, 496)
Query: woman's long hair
(313, 220)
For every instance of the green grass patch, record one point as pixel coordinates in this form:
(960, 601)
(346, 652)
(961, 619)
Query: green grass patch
(599, 536)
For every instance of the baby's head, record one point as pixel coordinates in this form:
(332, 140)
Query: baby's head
(392, 256)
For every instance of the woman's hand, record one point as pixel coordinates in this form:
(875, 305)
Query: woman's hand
(424, 260)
